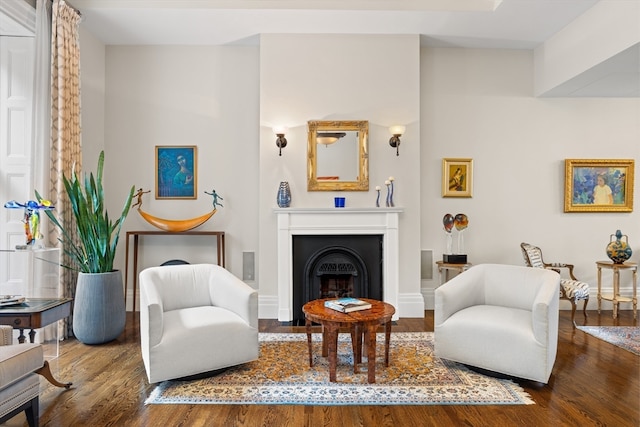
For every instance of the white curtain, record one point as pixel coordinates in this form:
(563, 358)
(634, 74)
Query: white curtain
(42, 123)
(42, 99)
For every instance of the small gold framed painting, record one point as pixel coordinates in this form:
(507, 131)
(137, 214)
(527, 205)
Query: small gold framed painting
(457, 177)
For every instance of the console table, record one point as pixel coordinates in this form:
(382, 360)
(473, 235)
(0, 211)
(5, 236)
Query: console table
(220, 251)
(615, 298)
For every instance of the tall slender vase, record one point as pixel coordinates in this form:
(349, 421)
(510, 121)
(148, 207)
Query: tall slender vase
(98, 309)
(284, 195)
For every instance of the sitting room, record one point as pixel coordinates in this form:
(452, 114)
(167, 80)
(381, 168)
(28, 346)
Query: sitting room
(496, 133)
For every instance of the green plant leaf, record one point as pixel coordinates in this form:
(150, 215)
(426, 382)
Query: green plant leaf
(95, 249)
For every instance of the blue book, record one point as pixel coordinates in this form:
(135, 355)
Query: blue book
(347, 305)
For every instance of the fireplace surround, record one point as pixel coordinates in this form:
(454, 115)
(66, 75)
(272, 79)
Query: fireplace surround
(381, 222)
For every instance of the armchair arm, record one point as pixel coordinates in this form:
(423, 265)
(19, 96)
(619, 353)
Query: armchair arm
(544, 311)
(557, 265)
(464, 290)
(151, 312)
(228, 291)
(6, 334)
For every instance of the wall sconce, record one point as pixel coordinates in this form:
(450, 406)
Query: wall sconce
(281, 142)
(397, 132)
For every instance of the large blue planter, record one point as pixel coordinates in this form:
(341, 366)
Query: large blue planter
(99, 312)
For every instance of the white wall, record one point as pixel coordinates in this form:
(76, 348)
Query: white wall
(455, 103)
(92, 67)
(202, 96)
(341, 77)
(479, 104)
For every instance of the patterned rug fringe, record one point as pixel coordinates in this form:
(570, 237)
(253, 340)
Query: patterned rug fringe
(282, 376)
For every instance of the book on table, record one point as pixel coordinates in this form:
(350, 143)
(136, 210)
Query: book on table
(347, 305)
(11, 300)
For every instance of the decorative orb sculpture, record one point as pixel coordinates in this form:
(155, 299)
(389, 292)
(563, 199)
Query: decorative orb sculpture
(461, 222)
(448, 221)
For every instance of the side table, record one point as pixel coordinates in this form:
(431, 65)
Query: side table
(615, 298)
(359, 322)
(446, 266)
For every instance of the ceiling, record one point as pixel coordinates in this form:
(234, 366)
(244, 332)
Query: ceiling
(506, 24)
(513, 24)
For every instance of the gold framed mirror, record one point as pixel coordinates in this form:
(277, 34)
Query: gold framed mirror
(338, 155)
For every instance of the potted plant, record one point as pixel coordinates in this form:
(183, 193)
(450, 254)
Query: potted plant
(99, 310)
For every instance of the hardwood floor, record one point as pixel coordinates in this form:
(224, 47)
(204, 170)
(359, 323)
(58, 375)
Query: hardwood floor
(593, 384)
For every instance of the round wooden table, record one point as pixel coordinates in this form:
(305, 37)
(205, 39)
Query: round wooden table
(359, 322)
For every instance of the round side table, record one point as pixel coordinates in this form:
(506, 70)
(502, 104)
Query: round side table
(615, 298)
(359, 322)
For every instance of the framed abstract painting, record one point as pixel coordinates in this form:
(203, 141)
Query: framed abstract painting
(598, 185)
(176, 172)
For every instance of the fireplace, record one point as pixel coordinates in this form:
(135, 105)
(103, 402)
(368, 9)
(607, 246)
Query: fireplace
(380, 224)
(330, 266)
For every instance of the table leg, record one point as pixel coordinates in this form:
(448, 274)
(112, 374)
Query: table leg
(616, 291)
(45, 371)
(387, 338)
(371, 352)
(332, 336)
(126, 270)
(356, 344)
(325, 342)
(135, 269)
(21, 337)
(308, 325)
(599, 288)
(635, 296)
(32, 336)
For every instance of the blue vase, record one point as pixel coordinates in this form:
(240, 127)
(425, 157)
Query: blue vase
(284, 195)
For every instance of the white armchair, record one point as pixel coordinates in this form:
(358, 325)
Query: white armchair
(501, 318)
(195, 319)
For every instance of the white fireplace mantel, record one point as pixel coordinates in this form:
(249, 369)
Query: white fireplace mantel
(335, 221)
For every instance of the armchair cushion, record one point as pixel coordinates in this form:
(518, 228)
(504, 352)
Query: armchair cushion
(501, 318)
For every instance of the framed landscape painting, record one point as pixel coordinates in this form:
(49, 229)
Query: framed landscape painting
(176, 172)
(598, 185)
(457, 177)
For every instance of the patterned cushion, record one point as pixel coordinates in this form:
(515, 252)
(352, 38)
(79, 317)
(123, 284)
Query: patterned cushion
(575, 289)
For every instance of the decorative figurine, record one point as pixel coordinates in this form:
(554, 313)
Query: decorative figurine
(388, 202)
(377, 196)
(31, 217)
(139, 194)
(215, 198)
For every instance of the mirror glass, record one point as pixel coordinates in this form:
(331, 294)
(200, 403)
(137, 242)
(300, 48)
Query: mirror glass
(338, 156)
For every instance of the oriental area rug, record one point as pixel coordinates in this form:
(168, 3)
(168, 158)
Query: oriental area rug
(627, 337)
(282, 376)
